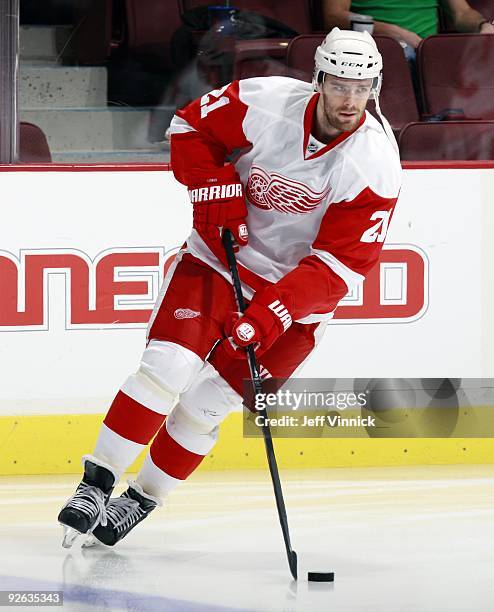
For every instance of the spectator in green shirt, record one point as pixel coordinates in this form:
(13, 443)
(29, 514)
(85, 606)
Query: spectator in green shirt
(407, 22)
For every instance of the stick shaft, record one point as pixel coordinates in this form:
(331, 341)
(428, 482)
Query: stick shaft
(257, 386)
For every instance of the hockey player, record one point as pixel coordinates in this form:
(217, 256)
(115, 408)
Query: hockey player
(307, 181)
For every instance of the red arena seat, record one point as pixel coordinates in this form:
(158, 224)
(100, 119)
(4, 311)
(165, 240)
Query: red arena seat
(484, 7)
(397, 98)
(456, 72)
(300, 55)
(293, 13)
(150, 26)
(33, 146)
(92, 31)
(264, 56)
(447, 140)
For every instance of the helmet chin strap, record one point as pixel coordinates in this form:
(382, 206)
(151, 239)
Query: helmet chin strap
(376, 90)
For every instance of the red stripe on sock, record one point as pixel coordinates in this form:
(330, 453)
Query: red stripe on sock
(171, 457)
(132, 420)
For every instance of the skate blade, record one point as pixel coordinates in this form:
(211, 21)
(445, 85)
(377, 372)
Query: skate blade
(90, 542)
(70, 535)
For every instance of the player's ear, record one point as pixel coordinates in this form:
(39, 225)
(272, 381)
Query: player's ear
(318, 80)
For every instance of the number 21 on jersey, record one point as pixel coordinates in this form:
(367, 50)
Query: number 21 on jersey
(377, 233)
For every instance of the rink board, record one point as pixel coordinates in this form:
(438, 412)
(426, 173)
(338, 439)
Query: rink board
(82, 256)
(55, 444)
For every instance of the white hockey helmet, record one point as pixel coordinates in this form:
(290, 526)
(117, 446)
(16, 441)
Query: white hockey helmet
(349, 55)
(352, 55)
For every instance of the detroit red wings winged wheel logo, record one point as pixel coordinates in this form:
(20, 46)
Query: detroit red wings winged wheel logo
(276, 192)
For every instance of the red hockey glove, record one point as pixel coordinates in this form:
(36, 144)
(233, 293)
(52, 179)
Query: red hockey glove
(262, 324)
(220, 203)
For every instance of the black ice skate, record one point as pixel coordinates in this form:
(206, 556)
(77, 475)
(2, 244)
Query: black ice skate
(87, 507)
(124, 513)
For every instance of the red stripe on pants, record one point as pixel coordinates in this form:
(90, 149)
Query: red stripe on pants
(132, 420)
(171, 457)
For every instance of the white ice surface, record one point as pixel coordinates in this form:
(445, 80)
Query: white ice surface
(415, 539)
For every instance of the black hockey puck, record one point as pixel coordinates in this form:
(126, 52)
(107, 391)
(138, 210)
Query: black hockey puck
(320, 576)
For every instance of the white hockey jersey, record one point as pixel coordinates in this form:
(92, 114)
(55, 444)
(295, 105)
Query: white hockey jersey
(317, 213)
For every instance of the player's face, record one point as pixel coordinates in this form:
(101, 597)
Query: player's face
(345, 101)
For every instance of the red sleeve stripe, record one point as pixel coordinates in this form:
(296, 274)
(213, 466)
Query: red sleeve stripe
(326, 288)
(350, 277)
(179, 126)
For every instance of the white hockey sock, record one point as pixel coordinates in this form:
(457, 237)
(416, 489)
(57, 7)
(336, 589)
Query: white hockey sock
(154, 481)
(115, 450)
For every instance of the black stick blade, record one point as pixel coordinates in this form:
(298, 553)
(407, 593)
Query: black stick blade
(292, 562)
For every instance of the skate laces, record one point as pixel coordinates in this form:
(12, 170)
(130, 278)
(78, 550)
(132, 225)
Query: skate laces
(123, 512)
(90, 500)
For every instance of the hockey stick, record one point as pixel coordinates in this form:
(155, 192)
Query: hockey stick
(257, 386)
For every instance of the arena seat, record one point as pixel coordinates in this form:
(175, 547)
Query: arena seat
(150, 26)
(456, 72)
(397, 98)
(33, 146)
(300, 55)
(447, 140)
(484, 7)
(316, 10)
(92, 31)
(293, 13)
(264, 56)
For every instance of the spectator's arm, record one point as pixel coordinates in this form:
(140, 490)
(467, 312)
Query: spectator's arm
(336, 13)
(465, 18)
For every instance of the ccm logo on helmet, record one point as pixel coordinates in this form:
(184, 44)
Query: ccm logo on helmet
(352, 64)
(216, 192)
(280, 311)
